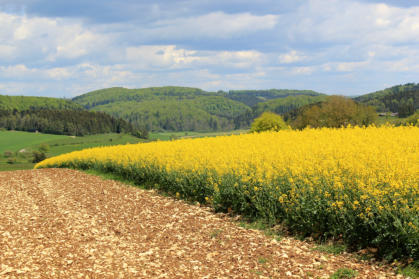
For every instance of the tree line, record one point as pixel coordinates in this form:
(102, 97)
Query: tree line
(63, 122)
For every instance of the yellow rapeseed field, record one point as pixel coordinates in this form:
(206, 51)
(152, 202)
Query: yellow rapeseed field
(358, 184)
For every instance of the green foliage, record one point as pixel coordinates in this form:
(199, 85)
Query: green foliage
(20, 103)
(170, 108)
(334, 249)
(403, 99)
(38, 156)
(268, 121)
(343, 273)
(44, 148)
(411, 120)
(8, 154)
(140, 133)
(287, 104)
(335, 112)
(63, 122)
(253, 97)
(409, 271)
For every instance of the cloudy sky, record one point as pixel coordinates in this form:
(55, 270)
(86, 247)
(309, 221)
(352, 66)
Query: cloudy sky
(64, 48)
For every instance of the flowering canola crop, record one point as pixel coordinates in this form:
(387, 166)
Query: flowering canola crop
(357, 184)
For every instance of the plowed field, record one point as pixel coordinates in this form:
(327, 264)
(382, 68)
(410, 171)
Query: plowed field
(58, 223)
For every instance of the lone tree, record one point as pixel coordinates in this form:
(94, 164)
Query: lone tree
(268, 121)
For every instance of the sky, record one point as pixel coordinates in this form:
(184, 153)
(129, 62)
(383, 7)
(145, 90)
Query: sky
(61, 48)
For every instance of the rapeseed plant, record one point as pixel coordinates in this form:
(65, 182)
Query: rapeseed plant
(359, 184)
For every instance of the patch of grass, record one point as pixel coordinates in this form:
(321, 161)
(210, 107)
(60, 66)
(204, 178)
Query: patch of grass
(343, 273)
(334, 249)
(110, 176)
(262, 260)
(16, 140)
(178, 135)
(13, 141)
(409, 271)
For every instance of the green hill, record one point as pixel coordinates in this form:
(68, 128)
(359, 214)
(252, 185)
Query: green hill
(253, 97)
(191, 109)
(401, 99)
(287, 104)
(21, 103)
(169, 108)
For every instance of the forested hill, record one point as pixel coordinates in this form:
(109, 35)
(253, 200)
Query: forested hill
(184, 108)
(403, 99)
(170, 108)
(253, 97)
(120, 94)
(21, 103)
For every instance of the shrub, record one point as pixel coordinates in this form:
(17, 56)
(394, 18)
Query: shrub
(268, 121)
(44, 148)
(8, 154)
(38, 156)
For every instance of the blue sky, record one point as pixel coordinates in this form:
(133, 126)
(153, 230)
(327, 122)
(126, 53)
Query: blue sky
(64, 48)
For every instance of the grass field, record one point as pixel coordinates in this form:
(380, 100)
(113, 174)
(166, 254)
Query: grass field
(16, 141)
(178, 135)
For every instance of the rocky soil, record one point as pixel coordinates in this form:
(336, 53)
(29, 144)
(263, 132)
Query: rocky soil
(58, 223)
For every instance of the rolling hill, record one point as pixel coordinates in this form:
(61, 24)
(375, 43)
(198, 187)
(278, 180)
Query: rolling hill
(192, 109)
(169, 108)
(401, 99)
(254, 97)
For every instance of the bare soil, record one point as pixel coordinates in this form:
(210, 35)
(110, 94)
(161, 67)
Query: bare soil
(59, 223)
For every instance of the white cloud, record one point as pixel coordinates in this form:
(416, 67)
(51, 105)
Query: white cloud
(214, 25)
(171, 57)
(160, 56)
(6, 51)
(350, 21)
(46, 39)
(291, 57)
(305, 70)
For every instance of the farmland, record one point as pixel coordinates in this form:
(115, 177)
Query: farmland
(15, 141)
(357, 185)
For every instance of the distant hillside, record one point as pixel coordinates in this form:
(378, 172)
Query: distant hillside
(403, 99)
(191, 109)
(29, 103)
(287, 104)
(169, 108)
(253, 97)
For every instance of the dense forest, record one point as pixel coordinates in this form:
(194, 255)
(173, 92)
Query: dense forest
(401, 99)
(287, 104)
(253, 97)
(32, 103)
(63, 122)
(170, 108)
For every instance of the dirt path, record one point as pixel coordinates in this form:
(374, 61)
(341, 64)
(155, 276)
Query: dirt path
(57, 223)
